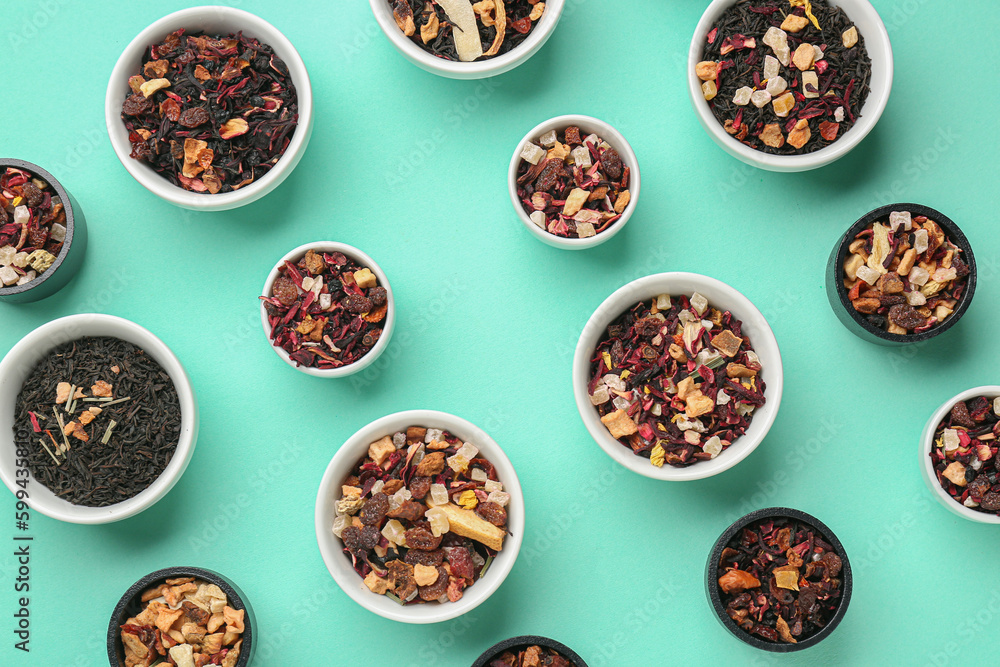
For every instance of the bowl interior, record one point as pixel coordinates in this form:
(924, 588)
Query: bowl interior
(882, 214)
(927, 468)
(872, 30)
(211, 20)
(56, 190)
(588, 125)
(719, 295)
(22, 359)
(362, 259)
(460, 70)
(331, 547)
(131, 604)
(712, 576)
(515, 643)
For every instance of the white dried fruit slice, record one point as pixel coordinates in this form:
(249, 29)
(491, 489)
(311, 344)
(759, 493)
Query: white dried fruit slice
(466, 30)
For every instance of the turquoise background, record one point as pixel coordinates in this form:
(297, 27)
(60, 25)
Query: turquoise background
(411, 168)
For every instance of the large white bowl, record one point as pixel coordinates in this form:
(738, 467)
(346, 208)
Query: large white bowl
(331, 547)
(474, 70)
(212, 20)
(365, 261)
(927, 468)
(719, 295)
(587, 126)
(879, 50)
(22, 359)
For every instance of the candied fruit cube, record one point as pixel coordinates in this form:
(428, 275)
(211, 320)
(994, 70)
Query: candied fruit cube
(771, 67)
(600, 396)
(394, 532)
(776, 86)
(439, 494)
(468, 451)
(438, 519)
(760, 98)
(549, 139)
(742, 96)
(492, 486)
(479, 475)
(699, 303)
(498, 497)
(532, 153)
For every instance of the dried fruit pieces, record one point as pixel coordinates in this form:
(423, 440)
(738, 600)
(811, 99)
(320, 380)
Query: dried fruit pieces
(531, 656)
(964, 453)
(229, 101)
(325, 311)
(186, 620)
(904, 274)
(32, 227)
(572, 186)
(780, 78)
(466, 31)
(412, 539)
(780, 580)
(676, 380)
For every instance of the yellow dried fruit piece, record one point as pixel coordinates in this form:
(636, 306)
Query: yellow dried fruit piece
(623, 199)
(150, 87)
(850, 36)
(537, 11)
(804, 56)
(880, 248)
(429, 30)
(468, 500)
(784, 631)
(710, 90)
(772, 136)
(794, 23)
(788, 579)
(619, 423)
(575, 201)
(784, 104)
(955, 473)
(799, 136)
(706, 70)
(658, 456)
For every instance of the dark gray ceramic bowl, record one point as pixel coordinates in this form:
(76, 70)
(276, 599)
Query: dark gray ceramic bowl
(856, 322)
(525, 641)
(715, 599)
(70, 258)
(131, 604)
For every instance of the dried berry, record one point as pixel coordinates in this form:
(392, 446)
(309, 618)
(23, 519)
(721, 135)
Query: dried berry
(352, 539)
(419, 486)
(431, 465)
(991, 502)
(960, 415)
(460, 560)
(193, 117)
(370, 537)
(375, 509)
(438, 588)
(612, 163)
(423, 539)
(551, 172)
(285, 290)
(136, 105)
(32, 195)
(378, 296)
(425, 558)
(492, 512)
(355, 303)
(409, 511)
(904, 315)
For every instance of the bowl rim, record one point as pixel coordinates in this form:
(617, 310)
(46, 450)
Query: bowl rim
(737, 303)
(529, 640)
(26, 353)
(715, 600)
(879, 50)
(609, 134)
(954, 234)
(186, 18)
(927, 443)
(68, 207)
(477, 69)
(383, 280)
(233, 595)
(337, 471)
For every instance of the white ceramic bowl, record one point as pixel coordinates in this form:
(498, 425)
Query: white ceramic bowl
(474, 70)
(719, 295)
(331, 547)
(363, 260)
(587, 126)
(21, 360)
(212, 20)
(879, 50)
(927, 468)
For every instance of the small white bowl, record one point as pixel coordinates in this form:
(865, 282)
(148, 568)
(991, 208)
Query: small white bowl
(213, 20)
(587, 126)
(365, 261)
(474, 70)
(879, 50)
(22, 359)
(927, 443)
(331, 547)
(719, 295)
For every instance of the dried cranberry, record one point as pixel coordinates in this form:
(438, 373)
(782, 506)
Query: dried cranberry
(136, 105)
(492, 512)
(991, 502)
(419, 487)
(460, 559)
(375, 509)
(906, 316)
(551, 172)
(960, 415)
(285, 290)
(438, 588)
(171, 109)
(355, 303)
(352, 539)
(422, 539)
(370, 537)
(409, 511)
(194, 117)
(425, 558)
(32, 195)
(612, 163)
